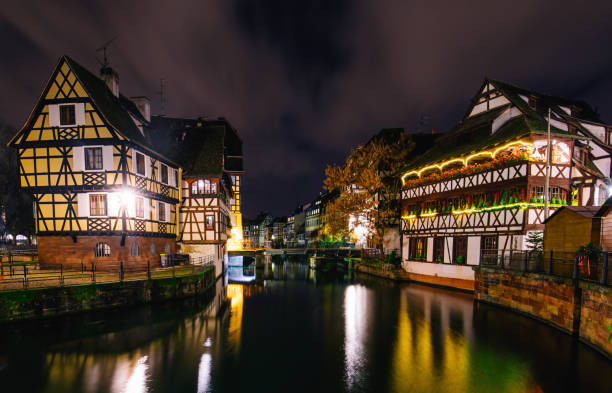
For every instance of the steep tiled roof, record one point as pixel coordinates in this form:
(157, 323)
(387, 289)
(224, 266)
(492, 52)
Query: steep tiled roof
(115, 110)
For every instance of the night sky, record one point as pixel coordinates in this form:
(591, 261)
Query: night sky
(305, 81)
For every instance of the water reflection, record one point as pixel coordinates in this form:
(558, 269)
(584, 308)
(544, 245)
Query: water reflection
(293, 329)
(355, 326)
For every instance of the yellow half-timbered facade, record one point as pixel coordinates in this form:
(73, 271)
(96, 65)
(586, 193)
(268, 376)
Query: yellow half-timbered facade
(101, 192)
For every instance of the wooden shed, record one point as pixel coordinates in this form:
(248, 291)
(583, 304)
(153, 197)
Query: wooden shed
(570, 227)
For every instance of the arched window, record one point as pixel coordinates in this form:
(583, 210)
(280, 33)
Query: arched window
(134, 248)
(102, 250)
(152, 249)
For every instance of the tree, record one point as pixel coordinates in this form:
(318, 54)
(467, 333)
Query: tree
(368, 185)
(535, 241)
(16, 204)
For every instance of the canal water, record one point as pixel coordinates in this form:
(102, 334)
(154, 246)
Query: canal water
(286, 328)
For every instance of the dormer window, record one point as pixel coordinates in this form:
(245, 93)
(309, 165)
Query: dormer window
(67, 116)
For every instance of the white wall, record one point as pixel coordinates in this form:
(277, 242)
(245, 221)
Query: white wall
(430, 249)
(473, 250)
(448, 249)
(461, 272)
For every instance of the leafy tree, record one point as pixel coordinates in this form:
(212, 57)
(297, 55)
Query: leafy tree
(535, 241)
(14, 203)
(368, 185)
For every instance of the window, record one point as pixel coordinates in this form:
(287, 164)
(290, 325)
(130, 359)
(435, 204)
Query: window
(176, 179)
(134, 248)
(418, 248)
(152, 249)
(488, 250)
(538, 192)
(460, 250)
(164, 173)
(438, 249)
(210, 222)
(167, 248)
(97, 204)
(102, 250)
(199, 187)
(161, 213)
(140, 164)
(93, 158)
(67, 117)
(555, 193)
(139, 207)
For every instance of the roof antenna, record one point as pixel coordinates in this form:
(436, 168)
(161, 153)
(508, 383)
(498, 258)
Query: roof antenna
(162, 93)
(103, 48)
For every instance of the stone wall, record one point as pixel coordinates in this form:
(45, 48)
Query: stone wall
(585, 311)
(48, 302)
(64, 250)
(596, 315)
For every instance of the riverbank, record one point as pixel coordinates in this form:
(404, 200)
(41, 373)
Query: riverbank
(583, 309)
(399, 274)
(54, 301)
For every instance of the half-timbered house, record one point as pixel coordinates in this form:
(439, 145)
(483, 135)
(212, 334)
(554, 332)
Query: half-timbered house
(210, 154)
(101, 192)
(481, 188)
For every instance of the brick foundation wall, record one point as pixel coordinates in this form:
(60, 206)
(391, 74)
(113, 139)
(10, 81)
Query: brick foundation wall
(62, 250)
(585, 311)
(596, 315)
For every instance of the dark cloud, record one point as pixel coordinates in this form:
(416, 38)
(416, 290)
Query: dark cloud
(306, 81)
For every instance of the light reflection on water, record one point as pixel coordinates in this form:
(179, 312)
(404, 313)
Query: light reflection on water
(300, 330)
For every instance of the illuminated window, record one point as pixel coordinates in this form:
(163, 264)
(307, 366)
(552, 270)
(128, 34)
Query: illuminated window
(93, 158)
(97, 205)
(161, 211)
(200, 187)
(489, 243)
(164, 173)
(140, 164)
(67, 117)
(210, 222)
(102, 250)
(139, 207)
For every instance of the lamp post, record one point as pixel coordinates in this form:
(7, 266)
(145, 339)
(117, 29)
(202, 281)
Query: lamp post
(547, 178)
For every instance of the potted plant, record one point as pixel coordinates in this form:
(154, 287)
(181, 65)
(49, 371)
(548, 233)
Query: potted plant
(460, 260)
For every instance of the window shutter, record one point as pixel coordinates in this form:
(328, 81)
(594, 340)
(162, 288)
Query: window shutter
(167, 212)
(170, 176)
(147, 166)
(107, 158)
(133, 160)
(54, 115)
(79, 113)
(83, 204)
(147, 208)
(78, 158)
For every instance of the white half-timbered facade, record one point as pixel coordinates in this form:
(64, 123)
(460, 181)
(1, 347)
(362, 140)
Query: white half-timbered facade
(481, 188)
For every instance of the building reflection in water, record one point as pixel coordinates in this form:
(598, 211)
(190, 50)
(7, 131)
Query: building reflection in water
(435, 342)
(235, 294)
(356, 319)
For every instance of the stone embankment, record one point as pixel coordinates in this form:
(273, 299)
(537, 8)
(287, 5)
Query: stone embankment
(53, 301)
(583, 309)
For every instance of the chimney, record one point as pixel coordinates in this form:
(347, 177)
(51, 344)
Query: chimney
(144, 106)
(111, 78)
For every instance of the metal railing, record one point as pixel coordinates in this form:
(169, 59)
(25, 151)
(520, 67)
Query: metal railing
(593, 268)
(13, 276)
